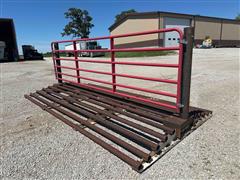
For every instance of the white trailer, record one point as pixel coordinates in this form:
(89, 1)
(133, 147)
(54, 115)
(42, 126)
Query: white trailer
(89, 45)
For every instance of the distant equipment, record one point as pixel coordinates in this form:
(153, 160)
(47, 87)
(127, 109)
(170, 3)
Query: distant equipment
(30, 53)
(86, 45)
(206, 44)
(2, 49)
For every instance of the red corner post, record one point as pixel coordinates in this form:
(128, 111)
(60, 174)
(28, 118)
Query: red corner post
(76, 60)
(113, 64)
(58, 62)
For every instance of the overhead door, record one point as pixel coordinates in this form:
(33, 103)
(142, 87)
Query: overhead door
(172, 38)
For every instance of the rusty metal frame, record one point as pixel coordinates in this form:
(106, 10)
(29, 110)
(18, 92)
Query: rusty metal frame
(143, 134)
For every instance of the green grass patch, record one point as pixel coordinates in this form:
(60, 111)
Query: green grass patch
(49, 54)
(127, 54)
(140, 54)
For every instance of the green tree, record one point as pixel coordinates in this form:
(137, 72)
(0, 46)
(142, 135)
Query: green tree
(79, 24)
(123, 13)
(238, 17)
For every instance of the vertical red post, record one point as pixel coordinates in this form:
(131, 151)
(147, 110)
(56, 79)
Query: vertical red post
(113, 65)
(54, 59)
(58, 63)
(76, 60)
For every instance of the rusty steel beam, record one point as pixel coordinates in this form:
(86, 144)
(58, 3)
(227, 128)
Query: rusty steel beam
(119, 108)
(110, 105)
(130, 110)
(152, 132)
(126, 133)
(137, 152)
(103, 116)
(173, 121)
(136, 165)
(186, 72)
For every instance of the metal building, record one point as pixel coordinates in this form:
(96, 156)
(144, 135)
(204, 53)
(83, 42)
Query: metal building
(8, 35)
(223, 32)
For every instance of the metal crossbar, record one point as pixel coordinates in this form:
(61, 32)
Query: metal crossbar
(176, 107)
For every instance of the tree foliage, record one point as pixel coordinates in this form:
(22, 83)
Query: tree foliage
(79, 25)
(123, 13)
(238, 17)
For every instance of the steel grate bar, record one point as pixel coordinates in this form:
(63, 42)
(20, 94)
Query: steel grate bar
(100, 117)
(126, 133)
(136, 165)
(169, 120)
(111, 104)
(109, 114)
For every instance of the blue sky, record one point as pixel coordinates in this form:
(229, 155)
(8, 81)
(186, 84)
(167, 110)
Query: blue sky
(38, 22)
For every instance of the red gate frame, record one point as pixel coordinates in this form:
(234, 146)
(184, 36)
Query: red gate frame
(176, 107)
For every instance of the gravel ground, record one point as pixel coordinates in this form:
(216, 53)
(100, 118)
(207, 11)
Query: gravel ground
(35, 145)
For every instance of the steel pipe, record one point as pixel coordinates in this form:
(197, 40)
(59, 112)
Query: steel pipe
(118, 107)
(128, 134)
(128, 76)
(137, 165)
(162, 137)
(122, 63)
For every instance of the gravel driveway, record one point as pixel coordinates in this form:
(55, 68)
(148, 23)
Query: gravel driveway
(35, 145)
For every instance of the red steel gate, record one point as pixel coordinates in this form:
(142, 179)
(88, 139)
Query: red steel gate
(174, 107)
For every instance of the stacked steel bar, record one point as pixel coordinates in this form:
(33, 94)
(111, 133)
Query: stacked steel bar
(143, 133)
(87, 107)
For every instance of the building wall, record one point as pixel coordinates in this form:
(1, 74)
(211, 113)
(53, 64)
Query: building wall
(137, 25)
(230, 31)
(223, 32)
(205, 28)
(161, 26)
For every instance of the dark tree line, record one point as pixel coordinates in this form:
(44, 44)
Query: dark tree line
(80, 22)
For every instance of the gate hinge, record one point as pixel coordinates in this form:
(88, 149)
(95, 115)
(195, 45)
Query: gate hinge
(183, 41)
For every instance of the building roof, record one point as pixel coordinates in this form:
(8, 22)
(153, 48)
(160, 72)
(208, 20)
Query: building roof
(6, 19)
(157, 13)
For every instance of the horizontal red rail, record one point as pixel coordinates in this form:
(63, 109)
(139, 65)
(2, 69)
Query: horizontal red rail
(57, 66)
(124, 94)
(126, 35)
(121, 75)
(121, 50)
(125, 86)
(121, 63)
